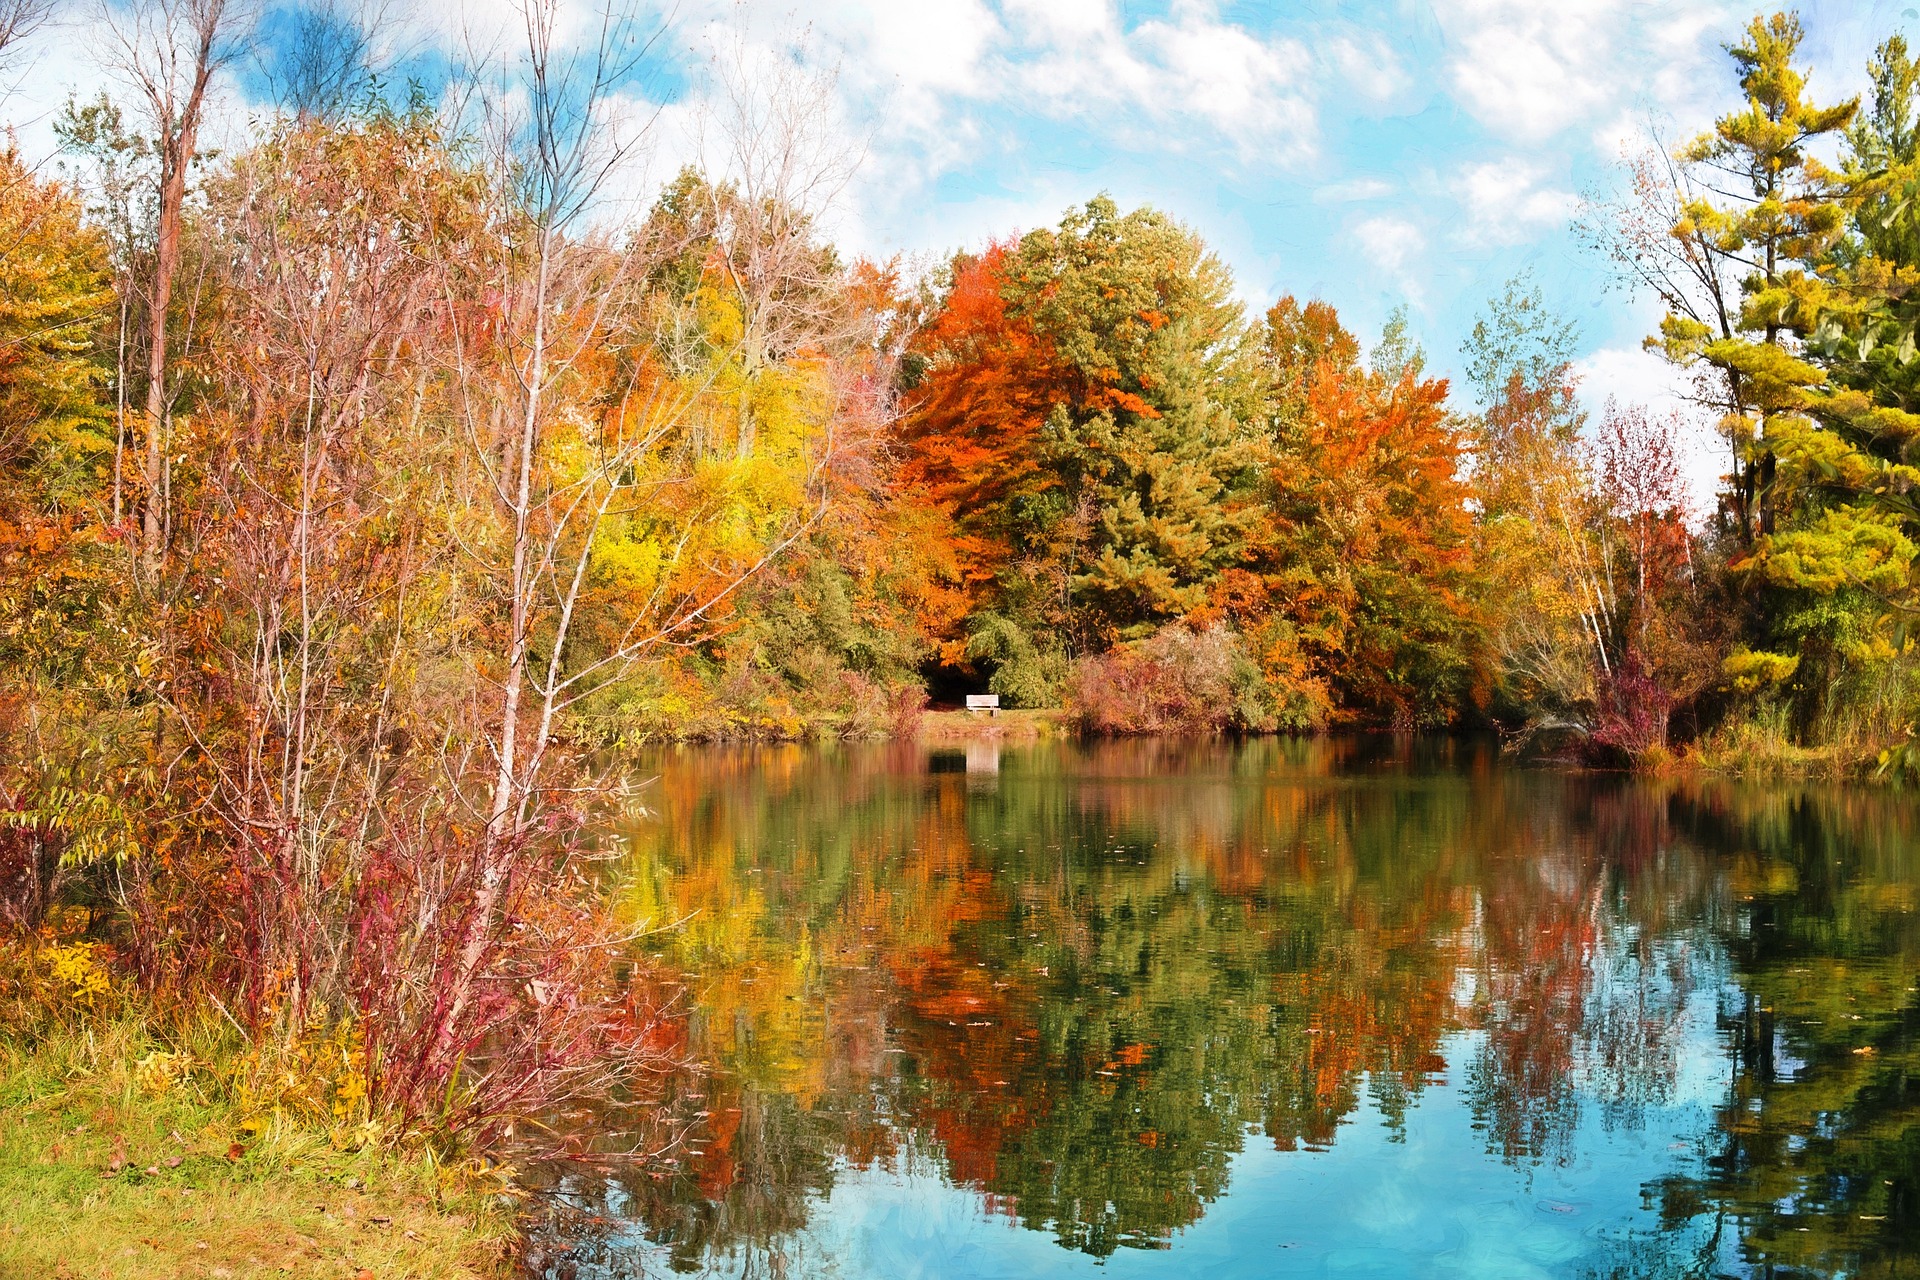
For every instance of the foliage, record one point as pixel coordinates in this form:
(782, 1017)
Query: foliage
(333, 585)
(1176, 681)
(1023, 672)
(1119, 451)
(1356, 591)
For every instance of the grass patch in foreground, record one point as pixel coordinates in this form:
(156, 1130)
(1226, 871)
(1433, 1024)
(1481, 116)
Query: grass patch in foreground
(116, 1163)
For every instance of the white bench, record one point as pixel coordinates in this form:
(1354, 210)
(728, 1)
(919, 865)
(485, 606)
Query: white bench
(987, 702)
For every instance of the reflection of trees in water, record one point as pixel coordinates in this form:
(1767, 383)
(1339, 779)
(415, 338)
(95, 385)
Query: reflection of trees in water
(1813, 1168)
(1089, 980)
(734, 1194)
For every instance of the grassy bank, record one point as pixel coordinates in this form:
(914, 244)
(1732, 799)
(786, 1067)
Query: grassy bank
(119, 1159)
(1005, 726)
(1761, 748)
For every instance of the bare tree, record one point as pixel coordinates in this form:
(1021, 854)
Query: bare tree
(325, 55)
(168, 52)
(18, 20)
(1644, 231)
(571, 285)
(780, 166)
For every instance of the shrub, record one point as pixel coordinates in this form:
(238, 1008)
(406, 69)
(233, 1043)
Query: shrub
(1632, 712)
(1024, 671)
(1175, 681)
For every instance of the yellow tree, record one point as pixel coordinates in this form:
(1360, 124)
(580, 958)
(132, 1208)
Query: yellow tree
(56, 574)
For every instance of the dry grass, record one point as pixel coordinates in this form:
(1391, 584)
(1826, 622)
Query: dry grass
(1005, 726)
(1760, 747)
(113, 1169)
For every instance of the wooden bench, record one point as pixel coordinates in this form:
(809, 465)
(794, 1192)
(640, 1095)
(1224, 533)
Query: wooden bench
(987, 702)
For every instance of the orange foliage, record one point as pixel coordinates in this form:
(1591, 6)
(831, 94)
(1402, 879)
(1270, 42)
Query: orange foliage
(1361, 580)
(971, 430)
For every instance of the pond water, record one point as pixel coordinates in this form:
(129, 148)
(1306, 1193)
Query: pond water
(1371, 1007)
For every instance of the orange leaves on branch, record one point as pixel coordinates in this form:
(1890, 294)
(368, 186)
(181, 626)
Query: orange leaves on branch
(1358, 586)
(972, 430)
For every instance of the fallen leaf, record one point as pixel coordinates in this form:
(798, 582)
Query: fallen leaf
(172, 1162)
(118, 1160)
(235, 1151)
(153, 1171)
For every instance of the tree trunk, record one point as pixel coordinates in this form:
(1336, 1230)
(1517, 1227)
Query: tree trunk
(178, 134)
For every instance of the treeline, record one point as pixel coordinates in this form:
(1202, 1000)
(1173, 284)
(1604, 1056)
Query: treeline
(361, 483)
(1169, 516)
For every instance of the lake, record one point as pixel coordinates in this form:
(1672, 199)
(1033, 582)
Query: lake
(1345, 1007)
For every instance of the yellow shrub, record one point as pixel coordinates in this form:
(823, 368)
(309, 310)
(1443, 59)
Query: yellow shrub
(77, 973)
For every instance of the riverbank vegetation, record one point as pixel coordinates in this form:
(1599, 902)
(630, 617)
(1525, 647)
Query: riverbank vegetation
(368, 484)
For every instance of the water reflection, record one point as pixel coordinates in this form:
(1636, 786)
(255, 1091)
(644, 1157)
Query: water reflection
(1130, 996)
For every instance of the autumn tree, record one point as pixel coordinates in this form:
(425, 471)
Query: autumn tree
(1156, 430)
(981, 385)
(1082, 405)
(58, 584)
(1354, 588)
(167, 52)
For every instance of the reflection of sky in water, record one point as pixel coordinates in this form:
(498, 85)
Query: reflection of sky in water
(1424, 1200)
(1602, 1001)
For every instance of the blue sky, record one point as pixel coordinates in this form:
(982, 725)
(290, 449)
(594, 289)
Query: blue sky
(1371, 155)
(1415, 153)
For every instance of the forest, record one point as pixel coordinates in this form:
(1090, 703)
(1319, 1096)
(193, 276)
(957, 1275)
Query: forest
(369, 487)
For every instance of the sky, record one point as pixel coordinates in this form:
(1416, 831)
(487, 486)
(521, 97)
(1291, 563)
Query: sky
(1414, 154)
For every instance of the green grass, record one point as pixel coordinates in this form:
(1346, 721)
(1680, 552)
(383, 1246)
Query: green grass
(109, 1171)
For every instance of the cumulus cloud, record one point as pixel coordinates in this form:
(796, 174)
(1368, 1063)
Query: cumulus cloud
(1077, 59)
(1529, 70)
(1394, 246)
(1366, 65)
(1511, 200)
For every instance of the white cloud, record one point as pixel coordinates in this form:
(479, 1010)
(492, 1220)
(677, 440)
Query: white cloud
(1529, 70)
(1510, 200)
(1368, 66)
(1353, 191)
(1394, 246)
(1078, 61)
(1067, 23)
(1241, 83)
(930, 46)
